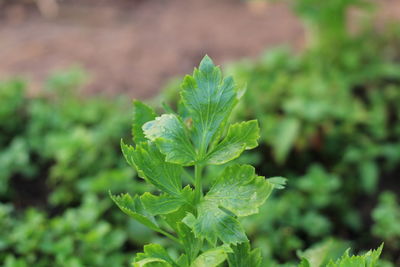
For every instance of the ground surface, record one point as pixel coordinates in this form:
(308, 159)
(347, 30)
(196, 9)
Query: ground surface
(134, 46)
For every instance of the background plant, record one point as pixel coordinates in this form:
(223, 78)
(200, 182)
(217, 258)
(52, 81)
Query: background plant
(57, 162)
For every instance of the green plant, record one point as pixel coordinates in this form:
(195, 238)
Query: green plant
(205, 226)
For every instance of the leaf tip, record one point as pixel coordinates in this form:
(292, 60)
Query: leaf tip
(206, 64)
(278, 182)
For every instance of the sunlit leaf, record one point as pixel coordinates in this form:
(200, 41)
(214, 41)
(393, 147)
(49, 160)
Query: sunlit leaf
(151, 166)
(243, 256)
(212, 257)
(237, 192)
(141, 114)
(134, 208)
(240, 136)
(171, 137)
(209, 99)
(154, 256)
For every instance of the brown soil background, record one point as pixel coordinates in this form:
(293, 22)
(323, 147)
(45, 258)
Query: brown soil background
(134, 46)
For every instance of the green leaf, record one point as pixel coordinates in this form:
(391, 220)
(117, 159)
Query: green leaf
(154, 256)
(369, 259)
(133, 207)
(304, 263)
(183, 261)
(152, 262)
(209, 99)
(278, 182)
(212, 257)
(162, 204)
(166, 204)
(240, 190)
(151, 166)
(243, 256)
(237, 192)
(171, 137)
(191, 244)
(213, 223)
(141, 114)
(240, 136)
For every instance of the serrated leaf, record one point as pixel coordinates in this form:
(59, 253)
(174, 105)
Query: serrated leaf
(209, 99)
(175, 218)
(243, 256)
(162, 204)
(151, 166)
(171, 137)
(133, 207)
(212, 223)
(240, 136)
(369, 259)
(141, 114)
(304, 263)
(237, 192)
(191, 244)
(154, 256)
(212, 257)
(278, 182)
(165, 204)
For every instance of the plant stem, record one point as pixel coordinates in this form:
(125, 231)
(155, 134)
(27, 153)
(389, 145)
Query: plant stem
(197, 182)
(170, 236)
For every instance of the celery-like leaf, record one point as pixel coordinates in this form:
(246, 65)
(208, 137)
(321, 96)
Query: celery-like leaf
(209, 99)
(162, 204)
(154, 256)
(133, 207)
(165, 204)
(237, 192)
(243, 256)
(240, 136)
(171, 137)
(212, 257)
(240, 190)
(304, 263)
(151, 166)
(141, 114)
(191, 244)
(278, 182)
(212, 223)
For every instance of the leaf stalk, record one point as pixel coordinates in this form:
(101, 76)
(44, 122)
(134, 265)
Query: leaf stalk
(198, 168)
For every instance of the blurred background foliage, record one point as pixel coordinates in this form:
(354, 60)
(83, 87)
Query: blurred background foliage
(330, 121)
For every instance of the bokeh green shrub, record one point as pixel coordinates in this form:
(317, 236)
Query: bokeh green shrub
(59, 156)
